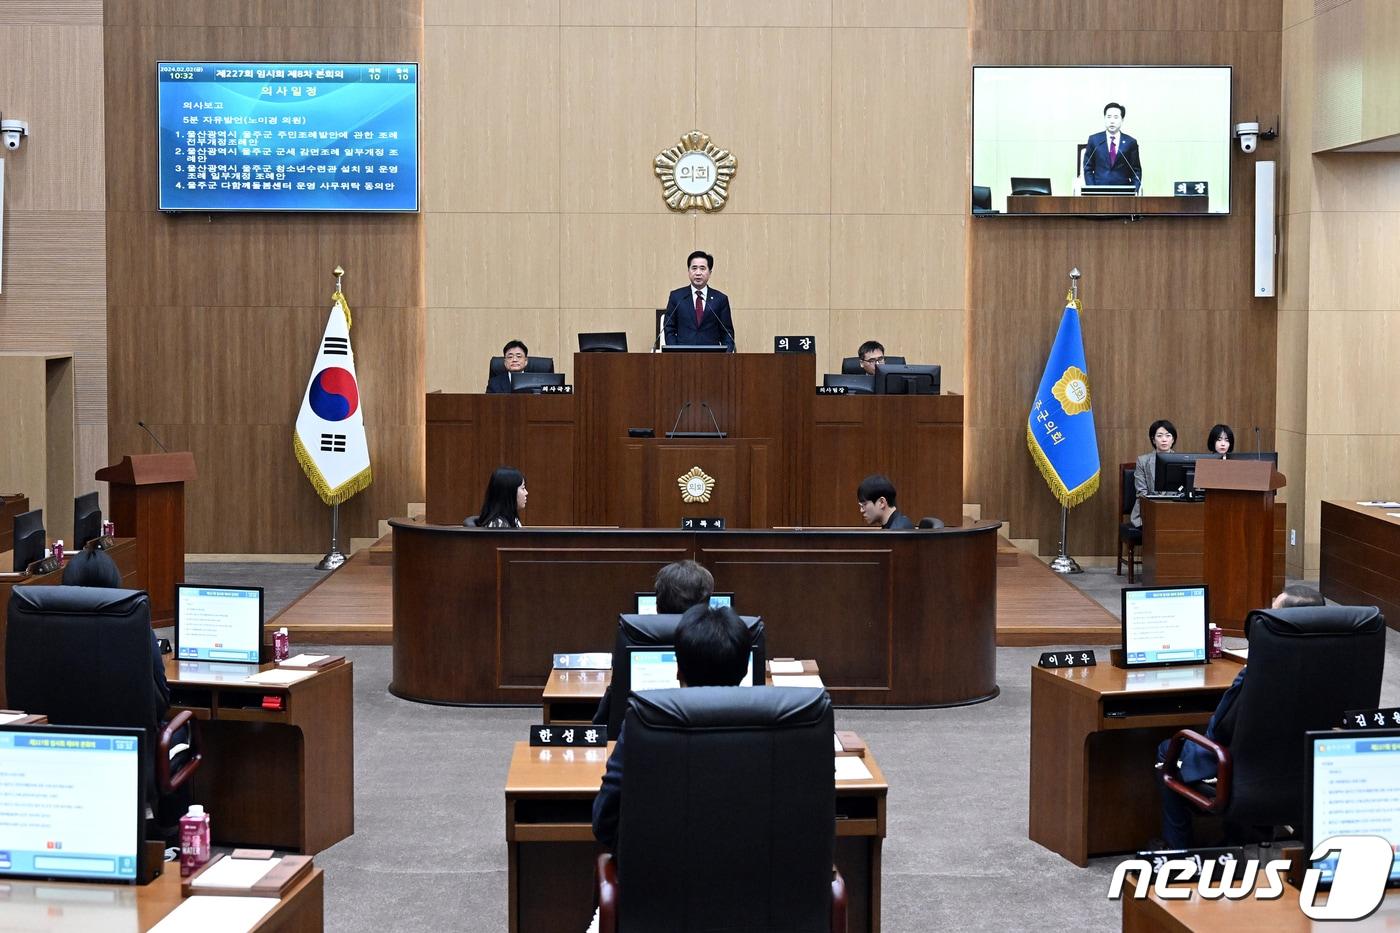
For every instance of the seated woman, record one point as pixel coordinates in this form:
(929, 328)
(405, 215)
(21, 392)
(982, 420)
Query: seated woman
(1221, 440)
(505, 497)
(1162, 434)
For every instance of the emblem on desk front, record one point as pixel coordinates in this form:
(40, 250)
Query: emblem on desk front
(695, 485)
(695, 173)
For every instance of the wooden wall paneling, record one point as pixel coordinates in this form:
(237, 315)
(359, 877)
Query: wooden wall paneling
(768, 260)
(626, 260)
(893, 261)
(762, 13)
(490, 13)
(461, 341)
(493, 260)
(900, 13)
(629, 13)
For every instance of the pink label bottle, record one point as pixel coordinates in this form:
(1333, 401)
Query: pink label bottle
(194, 840)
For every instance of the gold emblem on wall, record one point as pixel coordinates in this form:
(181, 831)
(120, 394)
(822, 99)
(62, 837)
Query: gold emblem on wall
(695, 174)
(695, 485)
(1072, 390)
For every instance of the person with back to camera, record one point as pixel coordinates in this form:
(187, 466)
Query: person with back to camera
(1199, 764)
(516, 356)
(1162, 435)
(876, 497)
(1221, 440)
(505, 499)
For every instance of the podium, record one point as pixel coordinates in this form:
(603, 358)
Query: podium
(146, 499)
(1239, 537)
(740, 469)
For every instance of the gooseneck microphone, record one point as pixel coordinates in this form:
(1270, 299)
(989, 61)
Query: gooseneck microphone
(672, 432)
(713, 420)
(153, 436)
(1256, 440)
(1136, 177)
(720, 321)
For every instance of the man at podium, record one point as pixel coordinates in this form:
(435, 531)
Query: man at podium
(697, 315)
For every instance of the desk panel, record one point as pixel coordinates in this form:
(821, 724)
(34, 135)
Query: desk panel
(1360, 557)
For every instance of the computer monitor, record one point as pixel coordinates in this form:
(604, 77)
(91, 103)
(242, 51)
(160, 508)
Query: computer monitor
(861, 384)
(532, 382)
(29, 539)
(72, 803)
(1177, 472)
(218, 623)
(653, 667)
(87, 520)
(1270, 455)
(909, 379)
(610, 342)
(1351, 788)
(1164, 625)
(1039, 186)
(646, 602)
(657, 631)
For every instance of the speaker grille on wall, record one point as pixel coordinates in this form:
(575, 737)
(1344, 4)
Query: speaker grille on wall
(1265, 239)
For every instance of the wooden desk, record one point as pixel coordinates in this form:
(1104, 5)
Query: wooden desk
(123, 552)
(1110, 204)
(10, 506)
(1094, 736)
(1174, 544)
(59, 906)
(282, 779)
(797, 458)
(550, 846)
(1360, 557)
(1250, 915)
(896, 617)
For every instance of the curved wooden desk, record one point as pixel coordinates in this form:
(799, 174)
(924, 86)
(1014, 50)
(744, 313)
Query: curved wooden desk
(895, 618)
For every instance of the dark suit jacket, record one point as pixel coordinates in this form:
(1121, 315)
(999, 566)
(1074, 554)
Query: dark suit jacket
(498, 383)
(1126, 169)
(1197, 763)
(715, 327)
(608, 803)
(898, 520)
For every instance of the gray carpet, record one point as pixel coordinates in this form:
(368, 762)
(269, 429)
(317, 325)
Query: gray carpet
(429, 850)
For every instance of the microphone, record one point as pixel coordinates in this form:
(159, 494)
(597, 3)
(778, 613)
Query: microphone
(1136, 176)
(719, 320)
(678, 420)
(666, 321)
(156, 439)
(713, 420)
(1256, 440)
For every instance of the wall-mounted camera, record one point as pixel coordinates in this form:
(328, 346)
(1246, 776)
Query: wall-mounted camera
(12, 131)
(1248, 135)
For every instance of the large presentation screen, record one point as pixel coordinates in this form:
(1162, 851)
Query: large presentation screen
(241, 136)
(1169, 134)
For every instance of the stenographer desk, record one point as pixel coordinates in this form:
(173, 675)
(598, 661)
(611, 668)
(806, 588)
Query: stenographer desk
(550, 845)
(790, 457)
(65, 906)
(1094, 736)
(897, 618)
(275, 778)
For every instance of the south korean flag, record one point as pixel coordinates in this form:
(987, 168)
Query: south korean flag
(330, 435)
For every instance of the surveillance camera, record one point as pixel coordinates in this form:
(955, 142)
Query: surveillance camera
(1248, 135)
(11, 131)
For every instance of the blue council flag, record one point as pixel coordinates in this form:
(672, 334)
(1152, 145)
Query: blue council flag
(1060, 429)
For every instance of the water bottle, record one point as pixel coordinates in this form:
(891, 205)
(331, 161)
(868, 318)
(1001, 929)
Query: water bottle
(194, 840)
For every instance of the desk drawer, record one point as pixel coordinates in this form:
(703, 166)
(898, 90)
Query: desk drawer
(1136, 712)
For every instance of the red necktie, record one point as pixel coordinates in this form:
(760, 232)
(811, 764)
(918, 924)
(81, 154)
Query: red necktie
(1113, 151)
(699, 307)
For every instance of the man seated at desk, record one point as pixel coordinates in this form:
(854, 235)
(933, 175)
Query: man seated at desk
(679, 585)
(875, 496)
(712, 650)
(871, 354)
(1197, 763)
(697, 315)
(516, 355)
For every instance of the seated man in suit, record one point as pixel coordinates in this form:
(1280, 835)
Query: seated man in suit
(516, 355)
(697, 315)
(871, 354)
(876, 496)
(1197, 763)
(679, 585)
(712, 650)
(1113, 157)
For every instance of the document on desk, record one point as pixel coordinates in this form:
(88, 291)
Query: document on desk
(235, 872)
(785, 667)
(797, 680)
(1381, 504)
(203, 913)
(11, 717)
(279, 678)
(852, 769)
(303, 660)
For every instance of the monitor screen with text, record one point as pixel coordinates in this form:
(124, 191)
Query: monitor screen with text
(70, 802)
(1164, 625)
(218, 623)
(646, 602)
(1354, 791)
(654, 668)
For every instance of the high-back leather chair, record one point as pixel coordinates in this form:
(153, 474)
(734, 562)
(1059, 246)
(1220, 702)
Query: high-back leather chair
(728, 813)
(82, 656)
(1307, 666)
(533, 364)
(1129, 535)
(850, 365)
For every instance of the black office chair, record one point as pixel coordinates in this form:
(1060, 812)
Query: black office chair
(850, 365)
(534, 364)
(929, 521)
(1307, 666)
(752, 846)
(1129, 535)
(981, 199)
(856, 384)
(82, 656)
(471, 521)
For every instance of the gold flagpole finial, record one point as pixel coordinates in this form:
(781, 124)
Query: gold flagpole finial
(339, 274)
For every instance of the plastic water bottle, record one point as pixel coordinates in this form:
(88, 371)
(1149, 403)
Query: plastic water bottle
(281, 645)
(58, 550)
(194, 840)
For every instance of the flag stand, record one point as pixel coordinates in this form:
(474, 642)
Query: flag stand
(1063, 563)
(334, 558)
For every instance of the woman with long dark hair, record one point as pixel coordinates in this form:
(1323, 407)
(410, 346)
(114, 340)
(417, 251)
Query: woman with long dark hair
(1221, 440)
(505, 497)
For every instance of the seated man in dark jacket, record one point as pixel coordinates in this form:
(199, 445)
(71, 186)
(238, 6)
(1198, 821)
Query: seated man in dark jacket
(1197, 763)
(876, 496)
(712, 650)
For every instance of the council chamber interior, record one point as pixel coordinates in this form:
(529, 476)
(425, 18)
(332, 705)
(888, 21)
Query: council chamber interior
(381, 362)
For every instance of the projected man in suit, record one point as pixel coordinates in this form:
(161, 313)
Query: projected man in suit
(697, 314)
(1113, 157)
